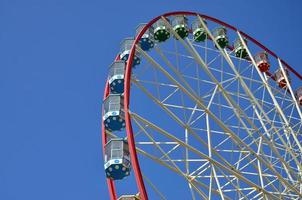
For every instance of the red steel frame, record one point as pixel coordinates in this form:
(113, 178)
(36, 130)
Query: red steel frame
(129, 131)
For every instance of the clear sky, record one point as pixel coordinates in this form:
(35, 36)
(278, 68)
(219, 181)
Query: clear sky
(54, 56)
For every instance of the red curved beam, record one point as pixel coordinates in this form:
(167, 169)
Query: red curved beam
(110, 183)
(130, 137)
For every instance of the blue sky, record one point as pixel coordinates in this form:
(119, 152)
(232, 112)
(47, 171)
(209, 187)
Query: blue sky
(54, 57)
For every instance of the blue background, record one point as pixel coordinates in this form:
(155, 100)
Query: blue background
(54, 56)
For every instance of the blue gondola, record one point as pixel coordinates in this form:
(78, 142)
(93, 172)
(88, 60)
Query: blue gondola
(147, 40)
(117, 159)
(126, 46)
(116, 77)
(114, 116)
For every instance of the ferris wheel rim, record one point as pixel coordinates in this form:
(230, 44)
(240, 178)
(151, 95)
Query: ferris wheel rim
(127, 86)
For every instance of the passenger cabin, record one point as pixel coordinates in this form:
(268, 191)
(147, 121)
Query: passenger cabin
(126, 46)
(116, 77)
(147, 40)
(117, 159)
(199, 32)
(220, 36)
(129, 197)
(299, 95)
(180, 26)
(114, 116)
(161, 32)
(281, 79)
(239, 49)
(262, 61)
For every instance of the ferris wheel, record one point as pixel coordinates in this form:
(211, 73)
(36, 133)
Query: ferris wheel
(197, 109)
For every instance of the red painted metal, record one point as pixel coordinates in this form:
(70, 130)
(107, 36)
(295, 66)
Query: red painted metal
(130, 137)
(110, 183)
(241, 32)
